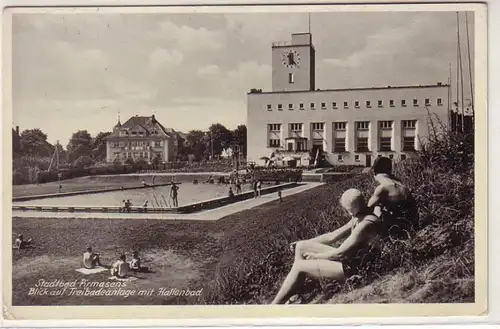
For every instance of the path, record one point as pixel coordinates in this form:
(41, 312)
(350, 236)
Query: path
(207, 215)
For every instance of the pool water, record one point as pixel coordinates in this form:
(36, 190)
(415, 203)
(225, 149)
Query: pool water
(156, 197)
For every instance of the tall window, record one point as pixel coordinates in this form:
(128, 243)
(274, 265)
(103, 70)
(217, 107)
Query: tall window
(408, 130)
(403, 102)
(301, 106)
(274, 135)
(391, 103)
(339, 136)
(415, 102)
(385, 135)
(317, 133)
(427, 102)
(362, 125)
(312, 105)
(269, 107)
(440, 102)
(368, 104)
(356, 104)
(280, 107)
(362, 134)
(380, 103)
(290, 106)
(317, 126)
(323, 105)
(290, 77)
(334, 105)
(346, 105)
(296, 127)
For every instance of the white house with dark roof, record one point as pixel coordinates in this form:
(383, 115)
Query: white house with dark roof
(142, 138)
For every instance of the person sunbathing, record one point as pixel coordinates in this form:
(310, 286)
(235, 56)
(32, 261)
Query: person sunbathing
(135, 264)
(318, 259)
(20, 243)
(91, 259)
(120, 268)
(391, 200)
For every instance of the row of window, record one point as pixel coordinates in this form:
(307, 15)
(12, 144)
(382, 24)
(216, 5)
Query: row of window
(357, 158)
(127, 155)
(342, 126)
(135, 133)
(368, 104)
(339, 144)
(133, 144)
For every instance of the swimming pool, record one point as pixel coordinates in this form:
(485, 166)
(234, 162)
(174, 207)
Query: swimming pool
(156, 197)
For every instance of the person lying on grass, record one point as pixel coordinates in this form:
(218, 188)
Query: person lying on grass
(120, 268)
(391, 201)
(20, 243)
(318, 259)
(91, 259)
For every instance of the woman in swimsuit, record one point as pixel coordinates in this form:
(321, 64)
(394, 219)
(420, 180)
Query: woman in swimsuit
(317, 258)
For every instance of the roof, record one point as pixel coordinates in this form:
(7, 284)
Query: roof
(353, 89)
(147, 123)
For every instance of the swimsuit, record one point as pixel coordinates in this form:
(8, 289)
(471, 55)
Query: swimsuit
(358, 262)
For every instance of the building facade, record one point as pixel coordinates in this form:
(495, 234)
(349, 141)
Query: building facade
(345, 126)
(142, 138)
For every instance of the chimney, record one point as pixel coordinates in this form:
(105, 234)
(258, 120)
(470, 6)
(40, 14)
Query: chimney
(439, 83)
(17, 130)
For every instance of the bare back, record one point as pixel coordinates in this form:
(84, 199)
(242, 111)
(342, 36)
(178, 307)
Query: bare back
(390, 191)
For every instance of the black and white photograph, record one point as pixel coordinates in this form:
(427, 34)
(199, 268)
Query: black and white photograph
(250, 156)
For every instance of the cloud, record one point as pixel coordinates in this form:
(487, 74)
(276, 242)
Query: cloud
(189, 39)
(210, 69)
(162, 57)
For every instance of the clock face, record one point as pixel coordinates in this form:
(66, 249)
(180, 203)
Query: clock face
(291, 58)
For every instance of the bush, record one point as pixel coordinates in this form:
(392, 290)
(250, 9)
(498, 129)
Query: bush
(256, 257)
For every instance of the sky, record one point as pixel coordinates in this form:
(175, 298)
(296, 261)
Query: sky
(81, 71)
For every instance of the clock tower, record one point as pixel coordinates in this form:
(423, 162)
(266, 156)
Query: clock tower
(294, 64)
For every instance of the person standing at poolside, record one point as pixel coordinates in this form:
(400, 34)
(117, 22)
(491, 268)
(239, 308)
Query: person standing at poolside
(238, 186)
(174, 194)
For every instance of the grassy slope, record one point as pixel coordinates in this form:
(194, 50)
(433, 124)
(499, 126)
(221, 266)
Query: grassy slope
(256, 258)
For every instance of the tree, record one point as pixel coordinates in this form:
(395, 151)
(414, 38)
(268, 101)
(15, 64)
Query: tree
(195, 143)
(220, 139)
(33, 142)
(99, 146)
(83, 162)
(79, 145)
(240, 139)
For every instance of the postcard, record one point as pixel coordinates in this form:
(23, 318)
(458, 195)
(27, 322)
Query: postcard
(245, 161)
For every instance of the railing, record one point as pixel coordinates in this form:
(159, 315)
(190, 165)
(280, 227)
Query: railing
(294, 154)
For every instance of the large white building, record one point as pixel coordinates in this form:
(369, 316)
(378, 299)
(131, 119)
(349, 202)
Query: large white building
(348, 126)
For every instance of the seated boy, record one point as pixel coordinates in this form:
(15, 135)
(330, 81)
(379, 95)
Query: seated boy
(19, 243)
(318, 259)
(120, 268)
(91, 259)
(135, 263)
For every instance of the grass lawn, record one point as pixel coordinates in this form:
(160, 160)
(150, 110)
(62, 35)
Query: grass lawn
(180, 255)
